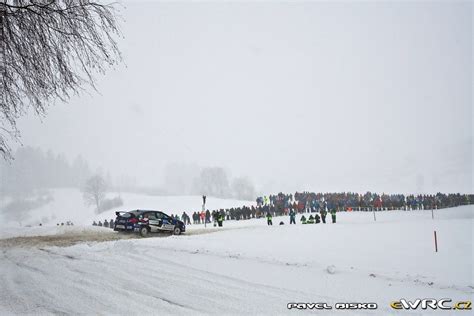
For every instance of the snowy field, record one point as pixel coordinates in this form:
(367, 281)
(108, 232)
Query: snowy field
(246, 267)
(68, 205)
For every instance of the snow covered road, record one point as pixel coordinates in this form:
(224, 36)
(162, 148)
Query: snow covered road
(251, 270)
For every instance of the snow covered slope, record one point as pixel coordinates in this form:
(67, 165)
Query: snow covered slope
(68, 205)
(247, 267)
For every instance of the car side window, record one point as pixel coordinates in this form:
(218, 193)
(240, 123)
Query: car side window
(159, 215)
(150, 215)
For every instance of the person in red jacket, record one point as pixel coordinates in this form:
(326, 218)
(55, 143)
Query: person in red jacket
(301, 206)
(378, 203)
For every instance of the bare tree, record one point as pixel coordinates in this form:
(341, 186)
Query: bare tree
(50, 49)
(213, 182)
(94, 192)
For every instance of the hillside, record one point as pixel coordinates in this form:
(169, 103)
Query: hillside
(68, 205)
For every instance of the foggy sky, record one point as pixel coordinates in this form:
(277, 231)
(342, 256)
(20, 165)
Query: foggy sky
(296, 96)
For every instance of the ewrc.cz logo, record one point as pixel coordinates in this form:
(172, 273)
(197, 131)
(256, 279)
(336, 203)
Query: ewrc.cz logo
(431, 303)
(336, 306)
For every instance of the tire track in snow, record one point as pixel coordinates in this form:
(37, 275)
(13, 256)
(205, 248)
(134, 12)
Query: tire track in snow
(68, 239)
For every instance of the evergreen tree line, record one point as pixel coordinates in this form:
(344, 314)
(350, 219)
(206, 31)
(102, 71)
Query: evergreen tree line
(34, 169)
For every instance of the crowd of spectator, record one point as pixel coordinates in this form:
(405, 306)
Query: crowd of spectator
(348, 201)
(310, 202)
(108, 224)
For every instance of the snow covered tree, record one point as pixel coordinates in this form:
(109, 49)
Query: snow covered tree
(80, 170)
(94, 192)
(50, 49)
(213, 182)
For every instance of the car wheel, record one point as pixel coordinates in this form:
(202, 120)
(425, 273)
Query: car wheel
(177, 230)
(143, 231)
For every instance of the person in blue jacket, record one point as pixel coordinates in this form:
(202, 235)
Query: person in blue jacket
(292, 217)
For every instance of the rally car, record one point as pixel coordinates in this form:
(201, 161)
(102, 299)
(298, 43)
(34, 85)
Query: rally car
(147, 221)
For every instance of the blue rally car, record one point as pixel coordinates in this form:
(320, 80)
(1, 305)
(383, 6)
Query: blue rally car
(147, 221)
